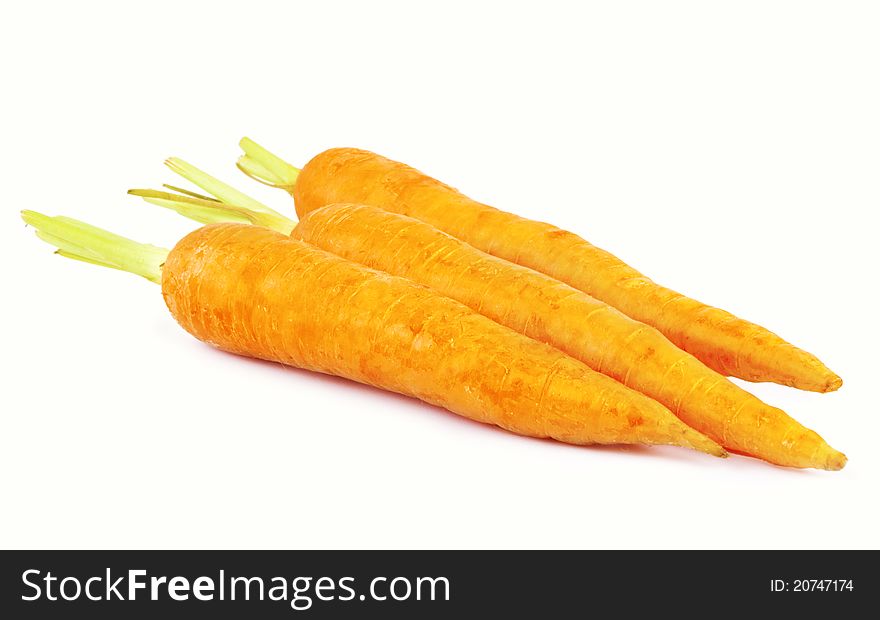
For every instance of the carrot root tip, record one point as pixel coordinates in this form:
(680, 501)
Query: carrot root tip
(833, 384)
(835, 461)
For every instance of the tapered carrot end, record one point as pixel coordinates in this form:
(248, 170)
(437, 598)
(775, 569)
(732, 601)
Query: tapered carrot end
(817, 377)
(673, 432)
(803, 371)
(767, 357)
(833, 383)
(833, 460)
(811, 451)
(689, 438)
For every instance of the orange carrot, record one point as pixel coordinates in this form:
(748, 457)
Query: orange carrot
(538, 306)
(728, 344)
(542, 308)
(255, 292)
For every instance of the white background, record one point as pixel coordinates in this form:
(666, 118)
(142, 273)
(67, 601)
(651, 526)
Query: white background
(729, 150)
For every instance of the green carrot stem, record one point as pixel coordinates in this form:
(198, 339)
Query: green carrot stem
(209, 211)
(187, 192)
(87, 243)
(266, 167)
(217, 188)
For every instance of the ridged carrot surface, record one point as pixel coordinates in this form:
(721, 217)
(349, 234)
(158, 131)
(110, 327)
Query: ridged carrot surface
(255, 292)
(548, 310)
(726, 343)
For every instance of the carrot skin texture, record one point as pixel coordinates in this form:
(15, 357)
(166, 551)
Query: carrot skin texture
(255, 292)
(550, 311)
(724, 342)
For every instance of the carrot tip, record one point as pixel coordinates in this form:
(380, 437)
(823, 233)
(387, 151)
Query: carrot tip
(714, 451)
(835, 461)
(833, 384)
(692, 438)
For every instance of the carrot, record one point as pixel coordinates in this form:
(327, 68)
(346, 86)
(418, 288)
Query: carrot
(537, 306)
(724, 342)
(255, 292)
